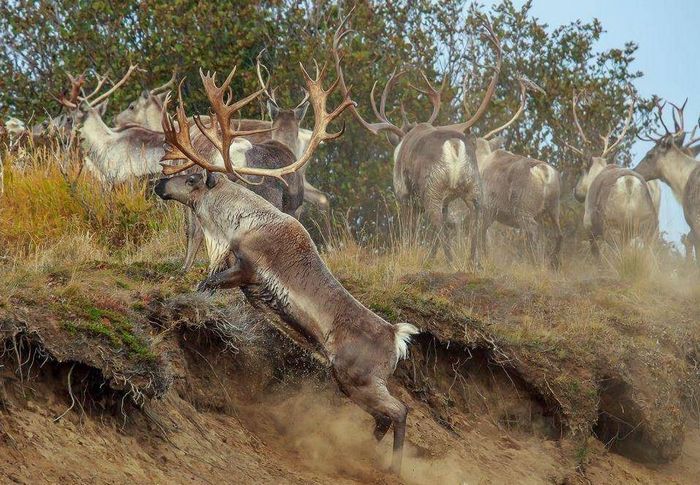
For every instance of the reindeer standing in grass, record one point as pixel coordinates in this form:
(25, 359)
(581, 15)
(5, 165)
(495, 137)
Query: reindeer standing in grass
(671, 160)
(112, 156)
(271, 257)
(519, 191)
(433, 165)
(619, 206)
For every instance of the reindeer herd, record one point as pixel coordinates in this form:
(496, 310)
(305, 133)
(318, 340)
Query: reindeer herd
(243, 183)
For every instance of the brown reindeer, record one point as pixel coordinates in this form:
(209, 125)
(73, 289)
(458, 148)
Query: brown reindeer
(671, 160)
(519, 191)
(270, 256)
(618, 204)
(286, 194)
(146, 111)
(433, 165)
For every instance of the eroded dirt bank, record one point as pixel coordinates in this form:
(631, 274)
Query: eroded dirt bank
(168, 387)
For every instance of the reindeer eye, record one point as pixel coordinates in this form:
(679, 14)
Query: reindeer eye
(192, 180)
(131, 106)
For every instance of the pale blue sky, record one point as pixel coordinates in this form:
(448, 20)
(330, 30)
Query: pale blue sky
(668, 35)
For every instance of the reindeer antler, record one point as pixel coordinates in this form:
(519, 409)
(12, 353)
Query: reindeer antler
(180, 144)
(607, 148)
(496, 44)
(525, 86)
(384, 123)
(258, 67)
(433, 95)
(76, 87)
(574, 103)
(167, 86)
(220, 132)
(677, 117)
(693, 139)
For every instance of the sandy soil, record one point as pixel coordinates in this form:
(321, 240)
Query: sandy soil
(310, 434)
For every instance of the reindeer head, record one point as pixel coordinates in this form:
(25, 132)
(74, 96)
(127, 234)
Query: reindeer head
(147, 107)
(285, 121)
(584, 182)
(666, 143)
(588, 150)
(186, 189)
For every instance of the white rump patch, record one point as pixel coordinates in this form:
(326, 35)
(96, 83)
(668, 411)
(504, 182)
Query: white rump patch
(543, 172)
(402, 337)
(454, 155)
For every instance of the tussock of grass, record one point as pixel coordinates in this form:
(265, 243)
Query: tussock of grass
(48, 198)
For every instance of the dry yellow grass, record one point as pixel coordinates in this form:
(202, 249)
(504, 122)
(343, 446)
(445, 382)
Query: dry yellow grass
(48, 198)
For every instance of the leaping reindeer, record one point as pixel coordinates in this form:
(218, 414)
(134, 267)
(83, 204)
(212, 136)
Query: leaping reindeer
(619, 205)
(270, 256)
(433, 165)
(671, 160)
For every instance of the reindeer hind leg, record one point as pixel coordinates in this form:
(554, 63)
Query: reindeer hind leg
(381, 426)
(387, 410)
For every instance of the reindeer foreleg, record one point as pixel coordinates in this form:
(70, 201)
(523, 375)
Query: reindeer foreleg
(232, 277)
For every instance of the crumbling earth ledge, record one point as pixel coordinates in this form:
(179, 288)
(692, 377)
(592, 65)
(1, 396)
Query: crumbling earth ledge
(628, 381)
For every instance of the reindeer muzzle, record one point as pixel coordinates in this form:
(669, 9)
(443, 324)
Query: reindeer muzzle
(161, 189)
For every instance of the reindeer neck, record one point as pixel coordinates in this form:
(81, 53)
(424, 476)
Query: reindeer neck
(676, 168)
(94, 130)
(153, 119)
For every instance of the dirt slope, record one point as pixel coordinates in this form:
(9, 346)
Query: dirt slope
(155, 385)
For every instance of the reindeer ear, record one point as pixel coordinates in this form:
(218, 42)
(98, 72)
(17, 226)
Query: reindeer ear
(497, 143)
(393, 138)
(145, 94)
(272, 109)
(211, 180)
(101, 108)
(300, 111)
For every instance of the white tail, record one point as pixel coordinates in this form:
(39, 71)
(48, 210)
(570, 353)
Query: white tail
(402, 337)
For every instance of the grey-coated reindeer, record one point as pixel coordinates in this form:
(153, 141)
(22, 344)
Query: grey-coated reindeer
(671, 160)
(433, 165)
(619, 206)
